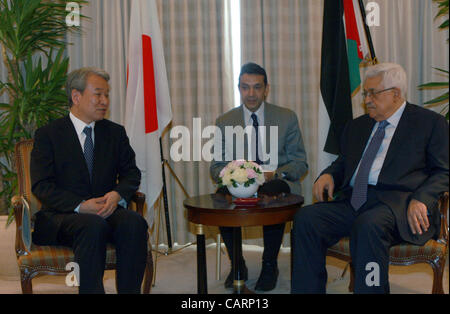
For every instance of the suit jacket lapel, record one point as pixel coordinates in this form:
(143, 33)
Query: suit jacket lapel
(100, 144)
(363, 137)
(74, 147)
(238, 120)
(402, 132)
(357, 143)
(270, 119)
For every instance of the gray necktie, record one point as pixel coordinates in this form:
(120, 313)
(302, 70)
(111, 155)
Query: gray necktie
(359, 194)
(89, 150)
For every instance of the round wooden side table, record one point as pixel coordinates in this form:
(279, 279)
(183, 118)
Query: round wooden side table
(220, 210)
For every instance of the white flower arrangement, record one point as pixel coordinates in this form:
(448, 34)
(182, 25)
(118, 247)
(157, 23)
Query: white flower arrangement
(241, 172)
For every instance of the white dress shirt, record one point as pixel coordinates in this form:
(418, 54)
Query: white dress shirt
(381, 155)
(79, 127)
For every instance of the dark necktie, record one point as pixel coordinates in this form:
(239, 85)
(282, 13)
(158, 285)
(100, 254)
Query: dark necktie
(256, 125)
(89, 150)
(359, 194)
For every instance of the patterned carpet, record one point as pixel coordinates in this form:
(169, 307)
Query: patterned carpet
(176, 274)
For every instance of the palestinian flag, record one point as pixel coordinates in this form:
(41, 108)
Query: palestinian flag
(344, 51)
(357, 47)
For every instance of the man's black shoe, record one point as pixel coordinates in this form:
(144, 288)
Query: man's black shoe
(268, 278)
(244, 275)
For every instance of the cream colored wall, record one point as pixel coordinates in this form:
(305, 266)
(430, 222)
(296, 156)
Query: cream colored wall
(8, 262)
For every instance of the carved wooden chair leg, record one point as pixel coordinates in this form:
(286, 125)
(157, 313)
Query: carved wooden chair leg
(438, 273)
(351, 285)
(148, 277)
(116, 282)
(25, 281)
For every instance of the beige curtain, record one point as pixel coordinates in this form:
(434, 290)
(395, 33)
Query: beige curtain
(408, 34)
(284, 37)
(103, 43)
(197, 48)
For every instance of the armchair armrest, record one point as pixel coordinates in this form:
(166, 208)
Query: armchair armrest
(139, 199)
(22, 216)
(23, 225)
(443, 208)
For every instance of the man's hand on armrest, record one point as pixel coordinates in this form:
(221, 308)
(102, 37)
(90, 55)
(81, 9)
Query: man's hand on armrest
(417, 217)
(324, 182)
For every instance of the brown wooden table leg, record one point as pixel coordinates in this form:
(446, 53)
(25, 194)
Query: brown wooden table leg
(238, 283)
(292, 254)
(202, 281)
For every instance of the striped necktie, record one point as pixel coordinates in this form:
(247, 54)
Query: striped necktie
(359, 194)
(89, 150)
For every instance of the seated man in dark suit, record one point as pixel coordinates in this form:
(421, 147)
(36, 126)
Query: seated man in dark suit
(392, 167)
(83, 170)
(286, 172)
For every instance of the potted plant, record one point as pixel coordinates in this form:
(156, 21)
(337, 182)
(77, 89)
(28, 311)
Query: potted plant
(32, 38)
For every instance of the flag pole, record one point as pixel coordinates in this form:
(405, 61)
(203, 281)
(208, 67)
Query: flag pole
(166, 203)
(362, 9)
(165, 163)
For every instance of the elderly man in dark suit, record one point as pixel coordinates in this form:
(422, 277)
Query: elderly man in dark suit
(83, 171)
(286, 147)
(392, 167)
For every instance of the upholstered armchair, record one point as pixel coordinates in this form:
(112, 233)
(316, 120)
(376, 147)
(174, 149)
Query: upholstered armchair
(434, 252)
(36, 260)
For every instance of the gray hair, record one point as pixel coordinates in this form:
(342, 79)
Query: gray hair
(77, 80)
(393, 75)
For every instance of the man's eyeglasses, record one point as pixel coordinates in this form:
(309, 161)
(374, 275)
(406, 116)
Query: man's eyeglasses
(372, 93)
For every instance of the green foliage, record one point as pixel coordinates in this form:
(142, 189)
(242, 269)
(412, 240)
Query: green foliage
(32, 25)
(443, 11)
(32, 38)
(442, 99)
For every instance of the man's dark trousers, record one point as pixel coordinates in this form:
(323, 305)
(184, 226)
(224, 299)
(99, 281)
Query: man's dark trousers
(88, 235)
(372, 231)
(272, 234)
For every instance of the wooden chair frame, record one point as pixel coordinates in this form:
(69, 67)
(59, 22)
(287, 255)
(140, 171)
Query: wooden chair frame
(436, 259)
(21, 202)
